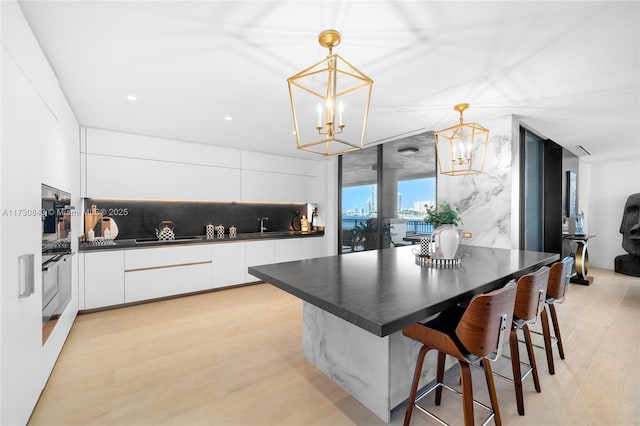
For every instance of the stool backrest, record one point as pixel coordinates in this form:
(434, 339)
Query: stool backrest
(559, 276)
(531, 294)
(486, 321)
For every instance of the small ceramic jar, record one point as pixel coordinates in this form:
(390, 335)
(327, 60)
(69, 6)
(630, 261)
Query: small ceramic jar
(220, 229)
(232, 231)
(211, 232)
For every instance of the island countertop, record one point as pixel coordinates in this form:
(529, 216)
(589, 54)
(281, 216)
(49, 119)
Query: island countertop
(382, 291)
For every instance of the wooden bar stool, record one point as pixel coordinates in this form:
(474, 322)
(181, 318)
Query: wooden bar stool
(530, 299)
(472, 334)
(559, 276)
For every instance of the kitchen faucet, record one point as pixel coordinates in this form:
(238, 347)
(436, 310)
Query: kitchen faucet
(262, 227)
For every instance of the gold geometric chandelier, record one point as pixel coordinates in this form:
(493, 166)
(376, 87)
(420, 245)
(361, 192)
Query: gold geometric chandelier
(461, 148)
(330, 103)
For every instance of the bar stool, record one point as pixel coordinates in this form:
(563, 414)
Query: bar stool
(559, 276)
(472, 334)
(530, 299)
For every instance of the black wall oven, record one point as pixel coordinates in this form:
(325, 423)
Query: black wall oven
(56, 255)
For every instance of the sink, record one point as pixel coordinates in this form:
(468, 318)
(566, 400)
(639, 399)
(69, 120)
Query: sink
(156, 240)
(264, 234)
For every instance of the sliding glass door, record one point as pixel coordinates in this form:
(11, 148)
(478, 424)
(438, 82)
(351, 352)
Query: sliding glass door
(384, 190)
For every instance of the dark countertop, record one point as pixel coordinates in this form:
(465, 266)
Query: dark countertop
(383, 291)
(129, 244)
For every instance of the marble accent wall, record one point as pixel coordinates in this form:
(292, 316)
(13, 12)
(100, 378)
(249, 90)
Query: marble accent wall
(486, 199)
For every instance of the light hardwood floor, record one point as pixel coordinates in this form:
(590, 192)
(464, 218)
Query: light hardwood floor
(234, 357)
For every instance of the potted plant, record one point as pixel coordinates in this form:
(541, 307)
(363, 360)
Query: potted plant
(446, 215)
(445, 236)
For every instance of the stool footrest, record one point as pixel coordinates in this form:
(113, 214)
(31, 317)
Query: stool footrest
(457, 392)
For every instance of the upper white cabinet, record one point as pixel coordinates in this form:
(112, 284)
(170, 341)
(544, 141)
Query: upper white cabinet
(121, 165)
(274, 178)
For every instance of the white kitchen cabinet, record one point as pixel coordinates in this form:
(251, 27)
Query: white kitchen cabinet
(277, 187)
(166, 271)
(229, 263)
(259, 253)
(103, 279)
(288, 250)
(314, 247)
(135, 178)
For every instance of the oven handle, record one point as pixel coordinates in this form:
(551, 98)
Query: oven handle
(49, 263)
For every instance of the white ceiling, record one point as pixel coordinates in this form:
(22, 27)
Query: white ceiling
(570, 70)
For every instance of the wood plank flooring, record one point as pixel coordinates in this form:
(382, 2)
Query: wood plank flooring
(234, 357)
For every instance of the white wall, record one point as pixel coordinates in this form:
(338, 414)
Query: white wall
(604, 187)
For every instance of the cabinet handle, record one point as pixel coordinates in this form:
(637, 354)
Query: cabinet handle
(26, 281)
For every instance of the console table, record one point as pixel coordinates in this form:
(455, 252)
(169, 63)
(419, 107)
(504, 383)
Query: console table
(582, 258)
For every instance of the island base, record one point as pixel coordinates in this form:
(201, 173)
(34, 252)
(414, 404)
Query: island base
(377, 371)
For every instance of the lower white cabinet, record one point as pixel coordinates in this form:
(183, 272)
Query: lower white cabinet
(288, 250)
(103, 279)
(166, 271)
(229, 263)
(115, 277)
(313, 247)
(259, 253)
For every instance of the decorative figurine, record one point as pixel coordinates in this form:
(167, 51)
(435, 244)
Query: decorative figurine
(580, 223)
(629, 264)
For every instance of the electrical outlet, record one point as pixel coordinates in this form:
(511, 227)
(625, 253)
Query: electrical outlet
(467, 234)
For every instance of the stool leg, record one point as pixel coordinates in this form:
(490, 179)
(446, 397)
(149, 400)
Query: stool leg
(467, 393)
(440, 376)
(556, 328)
(532, 358)
(546, 333)
(515, 366)
(486, 364)
(414, 387)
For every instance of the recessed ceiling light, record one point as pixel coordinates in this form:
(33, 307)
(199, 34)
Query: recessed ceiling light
(228, 117)
(132, 98)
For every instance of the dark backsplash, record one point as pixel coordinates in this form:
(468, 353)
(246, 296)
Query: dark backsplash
(139, 219)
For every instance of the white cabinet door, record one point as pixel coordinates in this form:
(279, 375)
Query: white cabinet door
(166, 271)
(259, 253)
(165, 281)
(229, 263)
(120, 177)
(288, 250)
(314, 247)
(103, 279)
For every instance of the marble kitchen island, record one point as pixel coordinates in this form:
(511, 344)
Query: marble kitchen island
(355, 307)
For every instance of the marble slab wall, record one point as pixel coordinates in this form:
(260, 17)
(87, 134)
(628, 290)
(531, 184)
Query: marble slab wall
(486, 199)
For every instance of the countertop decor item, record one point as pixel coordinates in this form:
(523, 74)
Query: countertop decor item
(220, 231)
(342, 94)
(443, 216)
(165, 231)
(461, 148)
(210, 231)
(91, 219)
(232, 231)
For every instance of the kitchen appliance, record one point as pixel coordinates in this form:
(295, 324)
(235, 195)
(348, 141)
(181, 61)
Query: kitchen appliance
(165, 233)
(56, 255)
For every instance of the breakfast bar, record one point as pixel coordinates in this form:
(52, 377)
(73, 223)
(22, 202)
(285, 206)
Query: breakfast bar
(356, 305)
